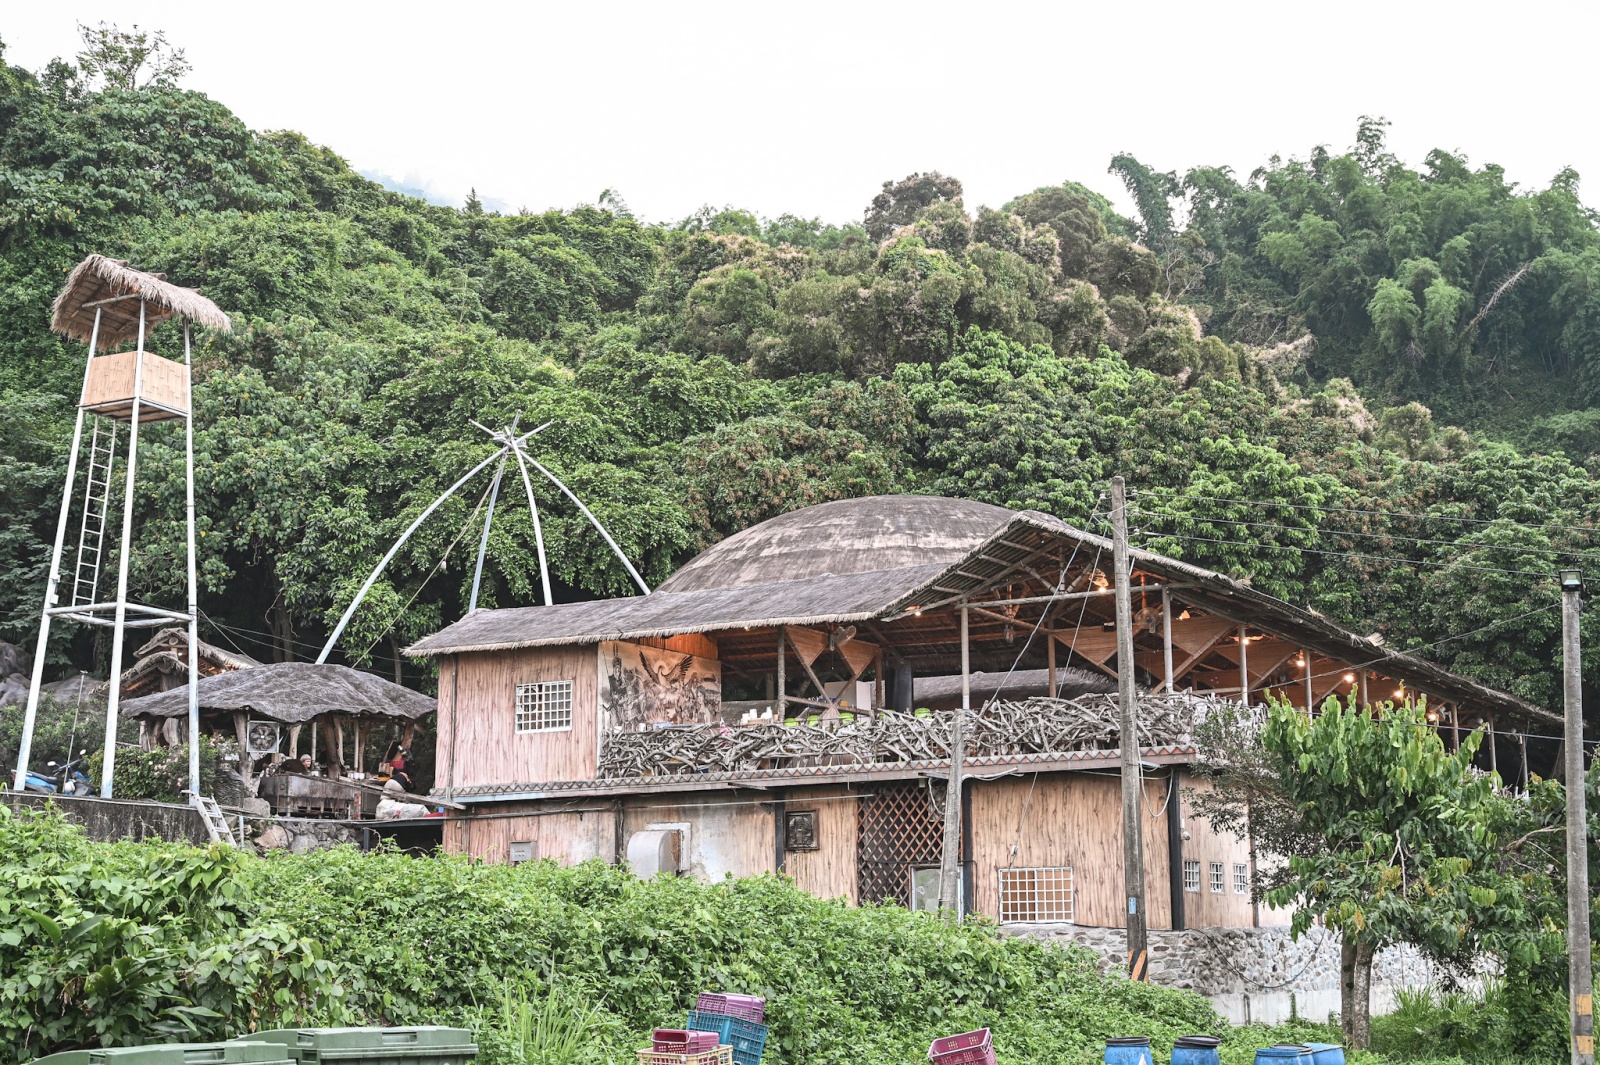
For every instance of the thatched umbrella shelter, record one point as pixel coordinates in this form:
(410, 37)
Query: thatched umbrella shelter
(116, 289)
(292, 694)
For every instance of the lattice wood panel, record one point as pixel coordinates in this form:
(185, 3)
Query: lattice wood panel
(899, 827)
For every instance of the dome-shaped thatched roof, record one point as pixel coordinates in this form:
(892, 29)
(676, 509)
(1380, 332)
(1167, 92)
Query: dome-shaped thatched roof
(843, 537)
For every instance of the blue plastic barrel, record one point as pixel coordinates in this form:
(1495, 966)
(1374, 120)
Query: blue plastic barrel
(1274, 1055)
(1197, 1050)
(1326, 1053)
(1128, 1050)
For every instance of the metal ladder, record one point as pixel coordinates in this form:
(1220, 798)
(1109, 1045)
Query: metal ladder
(96, 508)
(216, 821)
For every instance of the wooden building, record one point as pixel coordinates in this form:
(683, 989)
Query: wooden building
(759, 712)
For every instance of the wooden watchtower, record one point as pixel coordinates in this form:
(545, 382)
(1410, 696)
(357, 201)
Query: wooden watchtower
(107, 304)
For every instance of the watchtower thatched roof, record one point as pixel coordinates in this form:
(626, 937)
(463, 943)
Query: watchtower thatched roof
(292, 693)
(115, 289)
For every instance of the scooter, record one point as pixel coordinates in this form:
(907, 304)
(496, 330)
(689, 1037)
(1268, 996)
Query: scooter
(62, 779)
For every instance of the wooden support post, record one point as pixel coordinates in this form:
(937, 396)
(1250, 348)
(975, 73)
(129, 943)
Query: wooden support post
(1166, 641)
(294, 741)
(1050, 664)
(1175, 845)
(1455, 726)
(1364, 699)
(1580, 975)
(950, 849)
(332, 748)
(1522, 752)
(1244, 667)
(1494, 755)
(783, 681)
(1311, 698)
(1132, 769)
(241, 731)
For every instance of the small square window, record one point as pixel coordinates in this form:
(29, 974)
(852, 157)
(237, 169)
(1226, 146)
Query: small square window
(1218, 887)
(1241, 879)
(1043, 894)
(544, 706)
(1191, 875)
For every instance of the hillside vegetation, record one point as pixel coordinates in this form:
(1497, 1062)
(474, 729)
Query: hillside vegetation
(1261, 373)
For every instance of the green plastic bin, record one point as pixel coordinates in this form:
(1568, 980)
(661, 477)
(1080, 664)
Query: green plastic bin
(232, 1052)
(426, 1045)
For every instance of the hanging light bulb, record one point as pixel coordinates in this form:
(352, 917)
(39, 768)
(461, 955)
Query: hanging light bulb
(1349, 678)
(1300, 662)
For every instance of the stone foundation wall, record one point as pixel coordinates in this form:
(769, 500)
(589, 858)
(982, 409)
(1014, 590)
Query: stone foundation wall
(110, 820)
(299, 835)
(1250, 974)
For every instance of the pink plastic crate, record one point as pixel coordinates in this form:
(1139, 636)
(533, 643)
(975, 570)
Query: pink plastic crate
(682, 1041)
(968, 1048)
(745, 1007)
(723, 1055)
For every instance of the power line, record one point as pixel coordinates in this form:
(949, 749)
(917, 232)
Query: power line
(1179, 493)
(1583, 553)
(1356, 554)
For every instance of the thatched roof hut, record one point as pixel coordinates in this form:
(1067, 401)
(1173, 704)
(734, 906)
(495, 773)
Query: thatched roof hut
(163, 663)
(291, 693)
(115, 289)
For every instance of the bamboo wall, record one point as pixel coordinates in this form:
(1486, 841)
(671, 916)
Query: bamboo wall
(567, 837)
(830, 870)
(1069, 819)
(479, 730)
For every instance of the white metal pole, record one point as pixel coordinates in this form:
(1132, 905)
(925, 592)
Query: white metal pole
(483, 544)
(119, 619)
(1580, 972)
(643, 587)
(194, 587)
(538, 532)
(25, 748)
(372, 578)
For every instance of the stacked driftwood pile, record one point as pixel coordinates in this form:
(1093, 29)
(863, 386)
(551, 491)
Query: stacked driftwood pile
(1028, 726)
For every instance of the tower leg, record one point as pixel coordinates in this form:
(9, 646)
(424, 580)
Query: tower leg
(25, 748)
(194, 601)
(120, 619)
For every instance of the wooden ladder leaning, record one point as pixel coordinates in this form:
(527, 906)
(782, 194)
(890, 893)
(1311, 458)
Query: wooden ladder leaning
(216, 821)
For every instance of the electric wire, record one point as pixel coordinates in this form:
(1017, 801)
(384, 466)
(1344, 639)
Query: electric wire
(1552, 526)
(1577, 553)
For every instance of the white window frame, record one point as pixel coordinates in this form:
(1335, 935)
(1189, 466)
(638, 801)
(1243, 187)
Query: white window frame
(1241, 878)
(1191, 875)
(542, 706)
(1048, 892)
(1219, 883)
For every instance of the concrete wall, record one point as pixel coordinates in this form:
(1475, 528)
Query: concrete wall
(1249, 974)
(109, 820)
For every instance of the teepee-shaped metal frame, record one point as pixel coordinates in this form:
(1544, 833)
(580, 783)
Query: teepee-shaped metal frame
(512, 446)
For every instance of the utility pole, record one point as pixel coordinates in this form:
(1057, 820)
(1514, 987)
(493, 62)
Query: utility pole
(950, 848)
(1580, 977)
(1132, 772)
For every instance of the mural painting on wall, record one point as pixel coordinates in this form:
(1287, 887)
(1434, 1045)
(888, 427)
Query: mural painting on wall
(645, 686)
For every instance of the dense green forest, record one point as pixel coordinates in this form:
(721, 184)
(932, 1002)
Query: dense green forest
(1371, 389)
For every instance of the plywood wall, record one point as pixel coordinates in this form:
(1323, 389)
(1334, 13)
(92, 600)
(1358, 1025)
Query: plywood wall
(730, 832)
(829, 871)
(479, 730)
(1205, 908)
(567, 837)
(1069, 819)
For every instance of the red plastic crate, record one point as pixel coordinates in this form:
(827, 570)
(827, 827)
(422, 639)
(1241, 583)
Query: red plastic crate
(683, 1041)
(968, 1048)
(747, 1007)
(723, 1055)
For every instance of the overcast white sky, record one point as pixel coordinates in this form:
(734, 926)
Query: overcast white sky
(808, 107)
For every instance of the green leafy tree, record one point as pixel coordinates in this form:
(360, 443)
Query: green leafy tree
(1404, 827)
